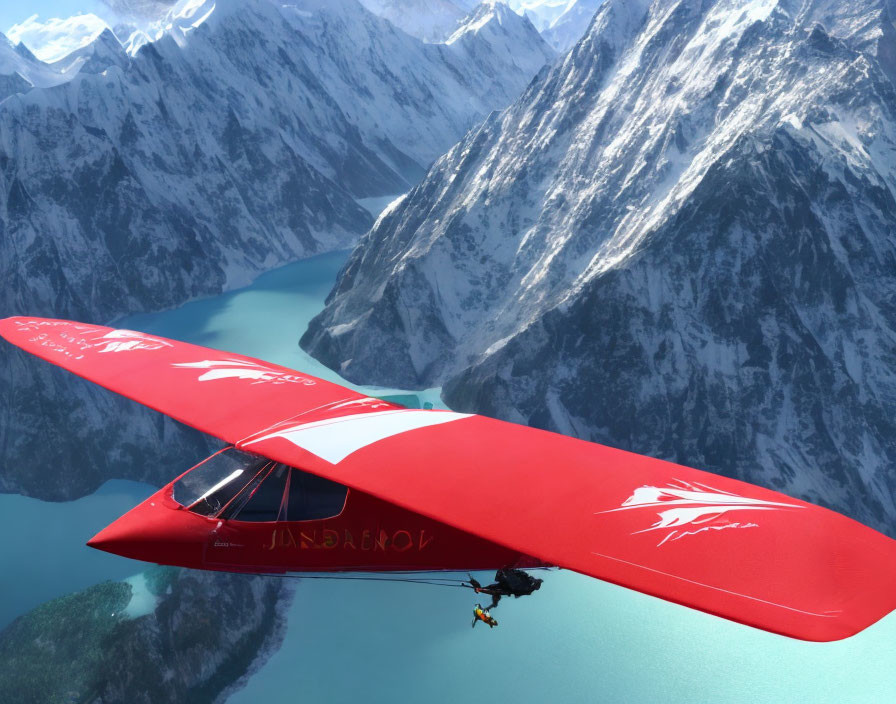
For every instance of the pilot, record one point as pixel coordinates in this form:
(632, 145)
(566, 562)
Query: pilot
(480, 614)
(508, 582)
(493, 590)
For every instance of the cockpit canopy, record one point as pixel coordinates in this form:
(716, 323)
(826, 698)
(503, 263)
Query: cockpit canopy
(236, 485)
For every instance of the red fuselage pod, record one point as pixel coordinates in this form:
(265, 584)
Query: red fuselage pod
(238, 512)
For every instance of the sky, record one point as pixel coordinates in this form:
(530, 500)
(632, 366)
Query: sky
(15, 12)
(112, 11)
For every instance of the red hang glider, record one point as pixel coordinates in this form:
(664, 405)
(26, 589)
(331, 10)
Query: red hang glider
(321, 478)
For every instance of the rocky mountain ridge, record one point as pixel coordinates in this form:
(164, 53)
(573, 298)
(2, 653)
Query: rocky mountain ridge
(678, 241)
(238, 141)
(20, 70)
(432, 21)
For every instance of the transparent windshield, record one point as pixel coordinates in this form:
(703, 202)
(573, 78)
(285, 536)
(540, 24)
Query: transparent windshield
(207, 488)
(243, 487)
(262, 499)
(311, 497)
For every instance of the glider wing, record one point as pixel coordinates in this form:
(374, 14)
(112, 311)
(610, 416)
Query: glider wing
(709, 542)
(705, 541)
(223, 394)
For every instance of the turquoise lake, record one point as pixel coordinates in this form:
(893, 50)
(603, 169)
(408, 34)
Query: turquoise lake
(576, 640)
(44, 554)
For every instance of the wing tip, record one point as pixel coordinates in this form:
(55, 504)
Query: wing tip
(6, 326)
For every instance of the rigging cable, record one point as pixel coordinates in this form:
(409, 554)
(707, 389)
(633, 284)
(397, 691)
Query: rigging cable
(435, 582)
(431, 581)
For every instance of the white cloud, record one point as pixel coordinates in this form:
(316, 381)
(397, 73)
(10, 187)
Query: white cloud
(55, 38)
(141, 9)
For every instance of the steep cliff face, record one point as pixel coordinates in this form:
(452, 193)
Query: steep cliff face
(62, 437)
(679, 241)
(412, 101)
(494, 35)
(235, 143)
(191, 646)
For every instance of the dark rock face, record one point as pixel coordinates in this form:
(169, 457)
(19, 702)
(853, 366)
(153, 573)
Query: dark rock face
(206, 632)
(756, 388)
(12, 84)
(212, 155)
(63, 437)
(680, 241)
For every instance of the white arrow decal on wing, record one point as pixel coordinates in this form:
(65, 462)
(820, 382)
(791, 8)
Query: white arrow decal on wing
(334, 439)
(127, 340)
(243, 369)
(694, 505)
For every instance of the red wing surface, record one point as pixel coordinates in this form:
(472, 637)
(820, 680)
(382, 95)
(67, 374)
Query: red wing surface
(716, 544)
(220, 393)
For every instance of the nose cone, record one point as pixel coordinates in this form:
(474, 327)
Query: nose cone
(156, 531)
(114, 538)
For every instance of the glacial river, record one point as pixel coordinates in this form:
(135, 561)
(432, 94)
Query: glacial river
(576, 640)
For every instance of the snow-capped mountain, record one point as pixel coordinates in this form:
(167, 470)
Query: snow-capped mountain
(540, 12)
(413, 100)
(238, 141)
(430, 20)
(680, 240)
(561, 22)
(178, 18)
(101, 53)
(53, 39)
(492, 35)
(570, 25)
(20, 70)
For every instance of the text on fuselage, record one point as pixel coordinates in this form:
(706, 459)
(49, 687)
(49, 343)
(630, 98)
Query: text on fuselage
(330, 539)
